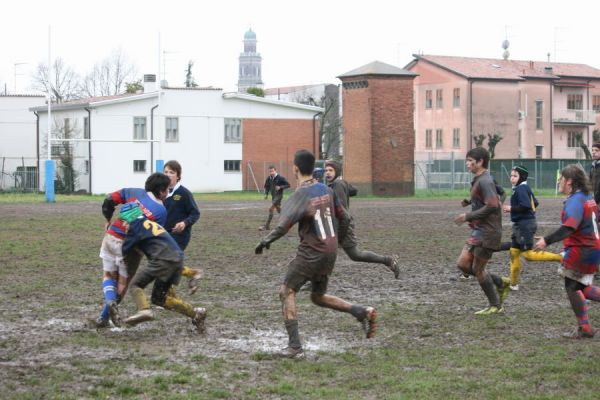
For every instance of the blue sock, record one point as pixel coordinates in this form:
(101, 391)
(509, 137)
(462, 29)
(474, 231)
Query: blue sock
(109, 286)
(105, 313)
(110, 290)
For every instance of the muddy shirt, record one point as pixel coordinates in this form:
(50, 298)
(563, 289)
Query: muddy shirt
(485, 217)
(317, 211)
(153, 240)
(343, 190)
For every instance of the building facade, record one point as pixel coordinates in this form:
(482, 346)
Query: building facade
(250, 69)
(18, 149)
(540, 109)
(211, 133)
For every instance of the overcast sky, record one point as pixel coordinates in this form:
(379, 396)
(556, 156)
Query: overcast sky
(301, 42)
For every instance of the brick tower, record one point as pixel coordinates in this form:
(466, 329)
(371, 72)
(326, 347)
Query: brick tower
(379, 137)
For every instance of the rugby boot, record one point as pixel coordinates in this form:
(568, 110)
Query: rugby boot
(579, 334)
(194, 282)
(394, 266)
(295, 353)
(98, 323)
(369, 322)
(490, 310)
(139, 317)
(504, 290)
(113, 312)
(199, 319)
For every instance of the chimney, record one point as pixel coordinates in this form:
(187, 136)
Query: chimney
(149, 83)
(548, 69)
(531, 64)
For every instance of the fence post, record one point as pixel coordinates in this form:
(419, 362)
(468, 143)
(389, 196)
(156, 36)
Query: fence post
(452, 170)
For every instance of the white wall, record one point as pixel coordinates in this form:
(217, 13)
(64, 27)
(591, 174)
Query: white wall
(201, 148)
(17, 131)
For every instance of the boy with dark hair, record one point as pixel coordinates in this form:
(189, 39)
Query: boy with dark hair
(343, 191)
(182, 213)
(315, 208)
(595, 172)
(165, 261)
(275, 184)
(485, 220)
(579, 231)
(117, 268)
(522, 208)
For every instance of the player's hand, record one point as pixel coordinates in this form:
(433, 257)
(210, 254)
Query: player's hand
(506, 209)
(106, 226)
(465, 202)
(460, 219)
(179, 227)
(540, 244)
(261, 245)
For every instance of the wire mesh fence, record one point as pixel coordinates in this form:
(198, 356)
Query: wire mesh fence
(446, 171)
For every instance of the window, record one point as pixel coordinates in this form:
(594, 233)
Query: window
(575, 102)
(86, 167)
(539, 114)
(428, 99)
(574, 139)
(539, 151)
(439, 98)
(172, 129)
(456, 138)
(596, 103)
(86, 128)
(233, 130)
(139, 128)
(428, 138)
(439, 142)
(139, 165)
(231, 165)
(56, 150)
(456, 98)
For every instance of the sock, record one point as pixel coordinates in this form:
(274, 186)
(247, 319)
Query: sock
(269, 220)
(531, 255)
(580, 308)
(515, 265)
(291, 325)
(105, 313)
(489, 288)
(174, 303)
(109, 286)
(187, 272)
(359, 312)
(592, 293)
(497, 280)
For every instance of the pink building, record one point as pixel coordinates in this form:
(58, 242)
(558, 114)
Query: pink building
(541, 109)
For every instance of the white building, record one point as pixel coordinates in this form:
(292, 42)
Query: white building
(202, 128)
(18, 157)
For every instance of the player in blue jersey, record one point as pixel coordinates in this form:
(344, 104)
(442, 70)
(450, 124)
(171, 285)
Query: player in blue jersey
(485, 220)
(314, 207)
(118, 269)
(165, 261)
(522, 209)
(579, 231)
(182, 213)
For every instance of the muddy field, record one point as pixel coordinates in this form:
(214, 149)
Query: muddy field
(51, 272)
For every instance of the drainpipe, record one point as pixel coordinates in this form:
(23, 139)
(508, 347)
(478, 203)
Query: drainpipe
(152, 138)
(470, 117)
(551, 121)
(89, 146)
(318, 151)
(37, 149)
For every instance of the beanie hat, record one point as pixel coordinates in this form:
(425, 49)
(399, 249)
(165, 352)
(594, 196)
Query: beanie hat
(523, 173)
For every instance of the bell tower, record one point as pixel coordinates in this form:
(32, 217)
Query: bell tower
(250, 71)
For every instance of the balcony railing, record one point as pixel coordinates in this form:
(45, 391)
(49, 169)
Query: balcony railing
(587, 117)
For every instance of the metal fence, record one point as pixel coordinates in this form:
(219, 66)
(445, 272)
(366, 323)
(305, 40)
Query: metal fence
(446, 171)
(18, 174)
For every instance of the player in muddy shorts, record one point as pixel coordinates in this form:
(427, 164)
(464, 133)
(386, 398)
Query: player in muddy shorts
(315, 209)
(485, 220)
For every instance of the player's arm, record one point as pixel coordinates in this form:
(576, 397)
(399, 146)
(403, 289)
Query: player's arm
(283, 183)
(352, 191)
(291, 213)
(192, 210)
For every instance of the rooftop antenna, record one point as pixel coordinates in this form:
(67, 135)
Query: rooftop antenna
(505, 44)
(548, 56)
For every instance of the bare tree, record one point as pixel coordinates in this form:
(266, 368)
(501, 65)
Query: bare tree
(64, 155)
(189, 79)
(493, 140)
(63, 85)
(479, 139)
(330, 122)
(108, 76)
